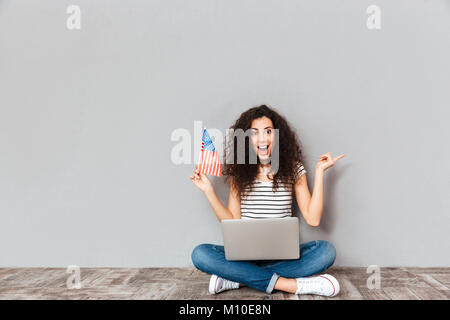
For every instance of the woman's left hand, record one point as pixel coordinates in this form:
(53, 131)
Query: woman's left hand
(326, 161)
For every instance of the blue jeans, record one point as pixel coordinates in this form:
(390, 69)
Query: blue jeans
(315, 257)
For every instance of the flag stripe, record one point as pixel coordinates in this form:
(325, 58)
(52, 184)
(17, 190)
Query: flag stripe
(210, 160)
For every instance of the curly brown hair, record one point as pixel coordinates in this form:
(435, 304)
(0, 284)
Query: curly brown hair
(290, 153)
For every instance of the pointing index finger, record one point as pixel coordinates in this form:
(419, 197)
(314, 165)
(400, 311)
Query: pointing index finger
(339, 157)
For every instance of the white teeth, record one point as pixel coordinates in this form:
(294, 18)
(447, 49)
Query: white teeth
(262, 147)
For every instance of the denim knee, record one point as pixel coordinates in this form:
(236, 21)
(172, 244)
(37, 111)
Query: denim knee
(328, 253)
(200, 256)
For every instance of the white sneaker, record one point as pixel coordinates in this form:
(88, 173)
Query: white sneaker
(324, 285)
(218, 284)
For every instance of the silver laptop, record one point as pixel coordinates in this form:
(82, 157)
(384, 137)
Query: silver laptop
(261, 239)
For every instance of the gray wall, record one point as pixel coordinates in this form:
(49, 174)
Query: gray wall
(86, 118)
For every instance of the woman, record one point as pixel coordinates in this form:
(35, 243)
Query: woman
(257, 191)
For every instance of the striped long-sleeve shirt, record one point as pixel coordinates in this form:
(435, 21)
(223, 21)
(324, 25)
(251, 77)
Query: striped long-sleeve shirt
(261, 202)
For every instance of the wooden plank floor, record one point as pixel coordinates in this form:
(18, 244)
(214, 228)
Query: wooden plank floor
(187, 283)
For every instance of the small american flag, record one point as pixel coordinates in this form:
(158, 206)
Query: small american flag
(209, 159)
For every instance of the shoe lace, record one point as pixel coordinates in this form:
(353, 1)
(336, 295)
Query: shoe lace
(311, 285)
(227, 284)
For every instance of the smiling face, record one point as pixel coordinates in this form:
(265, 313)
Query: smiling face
(262, 133)
(269, 129)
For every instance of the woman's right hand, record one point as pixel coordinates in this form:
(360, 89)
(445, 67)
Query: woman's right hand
(200, 180)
